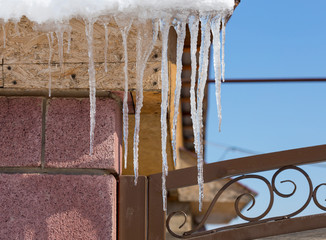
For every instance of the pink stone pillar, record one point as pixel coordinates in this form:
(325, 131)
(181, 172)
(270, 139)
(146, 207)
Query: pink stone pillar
(50, 187)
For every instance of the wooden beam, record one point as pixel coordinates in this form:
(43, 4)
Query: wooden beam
(26, 55)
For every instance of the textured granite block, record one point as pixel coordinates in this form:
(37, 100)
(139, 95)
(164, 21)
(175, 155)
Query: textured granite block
(67, 134)
(66, 207)
(20, 131)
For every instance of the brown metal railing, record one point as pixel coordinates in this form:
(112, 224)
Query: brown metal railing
(279, 160)
(140, 214)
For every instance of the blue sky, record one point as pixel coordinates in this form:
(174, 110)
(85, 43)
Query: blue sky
(272, 39)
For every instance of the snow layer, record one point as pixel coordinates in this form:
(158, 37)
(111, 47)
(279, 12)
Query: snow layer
(42, 11)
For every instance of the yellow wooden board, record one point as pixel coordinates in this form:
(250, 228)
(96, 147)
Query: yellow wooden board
(26, 55)
(75, 76)
(150, 158)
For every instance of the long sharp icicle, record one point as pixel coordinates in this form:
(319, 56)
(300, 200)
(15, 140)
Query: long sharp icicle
(124, 25)
(215, 27)
(203, 68)
(69, 40)
(106, 46)
(223, 48)
(146, 38)
(4, 35)
(164, 28)
(89, 24)
(180, 28)
(59, 34)
(193, 27)
(50, 39)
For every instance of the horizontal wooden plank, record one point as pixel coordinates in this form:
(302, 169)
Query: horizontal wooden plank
(75, 76)
(27, 42)
(27, 53)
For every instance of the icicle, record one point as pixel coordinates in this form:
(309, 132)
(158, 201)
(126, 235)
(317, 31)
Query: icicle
(193, 27)
(16, 28)
(203, 67)
(223, 44)
(106, 46)
(146, 39)
(164, 28)
(50, 39)
(180, 28)
(89, 24)
(69, 41)
(59, 34)
(4, 35)
(124, 25)
(215, 27)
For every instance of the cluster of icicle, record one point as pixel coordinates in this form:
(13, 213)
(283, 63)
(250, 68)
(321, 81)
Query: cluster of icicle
(209, 23)
(145, 42)
(147, 34)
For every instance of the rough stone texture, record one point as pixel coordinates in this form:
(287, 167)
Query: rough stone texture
(66, 207)
(67, 134)
(20, 131)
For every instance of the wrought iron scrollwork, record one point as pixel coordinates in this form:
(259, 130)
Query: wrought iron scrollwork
(312, 194)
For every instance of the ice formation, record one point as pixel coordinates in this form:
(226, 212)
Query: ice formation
(52, 16)
(106, 46)
(215, 26)
(202, 78)
(146, 38)
(4, 35)
(124, 24)
(89, 27)
(193, 28)
(50, 39)
(180, 28)
(164, 28)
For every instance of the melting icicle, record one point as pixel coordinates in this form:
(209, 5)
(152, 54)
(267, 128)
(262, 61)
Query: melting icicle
(203, 67)
(146, 38)
(59, 34)
(164, 28)
(106, 46)
(16, 28)
(4, 35)
(180, 28)
(223, 44)
(124, 25)
(50, 39)
(215, 27)
(69, 41)
(193, 27)
(92, 81)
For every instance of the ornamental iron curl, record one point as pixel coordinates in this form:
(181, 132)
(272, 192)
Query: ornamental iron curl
(251, 220)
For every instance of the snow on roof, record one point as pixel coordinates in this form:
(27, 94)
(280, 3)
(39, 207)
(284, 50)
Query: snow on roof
(42, 11)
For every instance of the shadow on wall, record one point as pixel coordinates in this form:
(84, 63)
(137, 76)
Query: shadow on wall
(57, 206)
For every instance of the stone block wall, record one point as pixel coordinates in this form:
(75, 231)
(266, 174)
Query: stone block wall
(50, 187)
